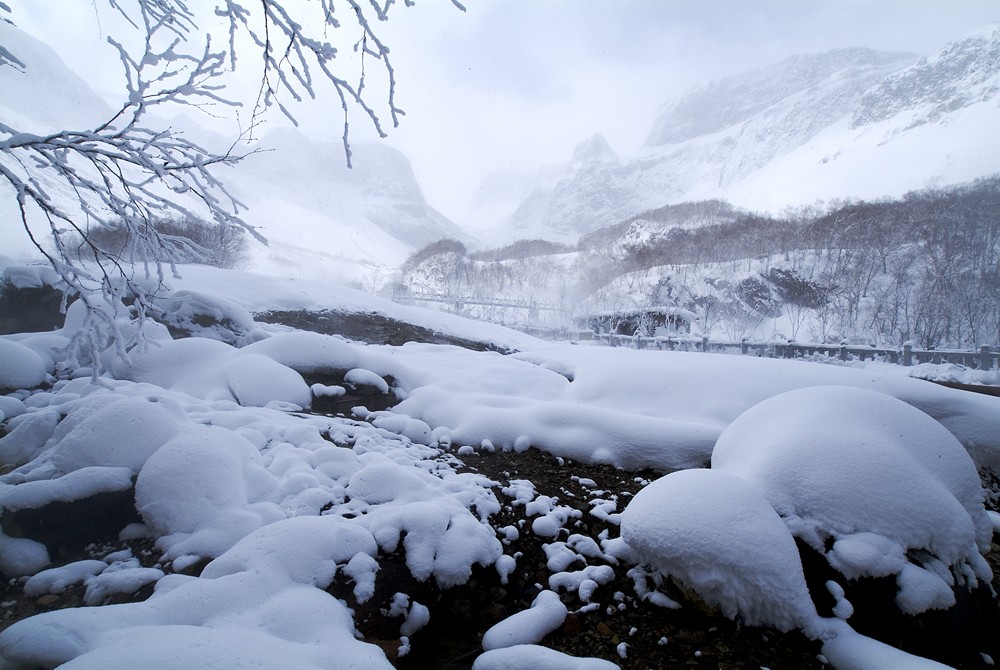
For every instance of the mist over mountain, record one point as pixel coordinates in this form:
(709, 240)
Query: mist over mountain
(318, 213)
(31, 103)
(845, 123)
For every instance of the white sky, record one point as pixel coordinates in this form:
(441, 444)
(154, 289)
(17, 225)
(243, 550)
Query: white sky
(516, 84)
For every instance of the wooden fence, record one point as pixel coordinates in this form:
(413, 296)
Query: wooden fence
(984, 359)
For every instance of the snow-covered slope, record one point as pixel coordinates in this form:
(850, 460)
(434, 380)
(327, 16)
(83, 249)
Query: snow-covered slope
(326, 221)
(846, 123)
(33, 104)
(931, 124)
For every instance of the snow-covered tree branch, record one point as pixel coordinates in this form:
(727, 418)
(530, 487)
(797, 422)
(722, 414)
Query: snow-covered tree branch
(125, 172)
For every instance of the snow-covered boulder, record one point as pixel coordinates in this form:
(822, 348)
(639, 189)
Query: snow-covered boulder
(20, 367)
(202, 490)
(874, 476)
(212, 370)
(115, 432)
(204, 315)
(716, 534)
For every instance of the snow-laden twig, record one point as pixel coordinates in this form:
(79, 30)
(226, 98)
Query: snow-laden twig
(127, 176)
(122, 174)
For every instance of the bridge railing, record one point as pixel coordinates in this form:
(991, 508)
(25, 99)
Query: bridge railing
(986, 358)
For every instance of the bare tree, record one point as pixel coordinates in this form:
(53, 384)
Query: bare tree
(123, 172)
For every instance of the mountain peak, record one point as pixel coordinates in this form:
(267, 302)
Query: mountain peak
(845, 123)
(594, 149)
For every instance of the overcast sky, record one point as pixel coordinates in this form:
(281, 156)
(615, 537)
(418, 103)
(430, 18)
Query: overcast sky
(516, 84)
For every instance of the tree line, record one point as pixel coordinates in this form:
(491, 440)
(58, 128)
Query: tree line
(923, 268)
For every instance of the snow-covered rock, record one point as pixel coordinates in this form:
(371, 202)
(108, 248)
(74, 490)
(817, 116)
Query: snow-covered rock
(20, 367)
(535, 657)
(529, 626)
(719, 536)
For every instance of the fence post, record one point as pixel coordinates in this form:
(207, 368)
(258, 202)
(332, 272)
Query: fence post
(843, 350)
(985, 360)
(744, 346)
(704, 344)
(907, 354)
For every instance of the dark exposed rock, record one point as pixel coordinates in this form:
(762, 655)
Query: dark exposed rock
(29, 310)
(66, 528)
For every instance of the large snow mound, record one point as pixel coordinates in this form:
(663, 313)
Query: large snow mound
(875, 475)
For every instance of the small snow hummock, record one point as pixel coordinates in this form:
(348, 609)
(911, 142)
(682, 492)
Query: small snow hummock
(534, 657)
(546, 614)
(20, 367)
(362, 377)
(718, 535)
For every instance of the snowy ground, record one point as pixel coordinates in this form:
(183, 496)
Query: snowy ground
(266, 526)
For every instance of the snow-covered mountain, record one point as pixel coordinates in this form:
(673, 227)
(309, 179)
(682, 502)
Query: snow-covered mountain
(322, 220)
(846, 123)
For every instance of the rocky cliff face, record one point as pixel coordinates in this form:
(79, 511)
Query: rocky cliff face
(314, 210)
(963, 74)
(800, 95)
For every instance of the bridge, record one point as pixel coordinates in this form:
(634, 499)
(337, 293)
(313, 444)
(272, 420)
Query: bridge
(492, 301)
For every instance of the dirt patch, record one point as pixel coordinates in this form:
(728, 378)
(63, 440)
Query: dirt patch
(368, 327)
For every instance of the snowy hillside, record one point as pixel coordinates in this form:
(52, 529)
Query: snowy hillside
(326, 221)
(846, 123)
(34, 104)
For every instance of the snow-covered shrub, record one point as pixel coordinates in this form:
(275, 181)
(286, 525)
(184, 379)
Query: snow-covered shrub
(191, 240)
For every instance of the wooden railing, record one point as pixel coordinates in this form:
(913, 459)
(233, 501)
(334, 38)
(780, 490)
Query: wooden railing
(985, 358)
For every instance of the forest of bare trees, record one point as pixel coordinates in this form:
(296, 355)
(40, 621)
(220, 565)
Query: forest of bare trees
(923, 268)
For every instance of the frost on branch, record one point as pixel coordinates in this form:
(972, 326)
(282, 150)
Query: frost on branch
(126, 175)
(292, 52)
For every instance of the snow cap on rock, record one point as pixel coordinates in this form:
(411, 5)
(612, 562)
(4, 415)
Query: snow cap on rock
(855, 465)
